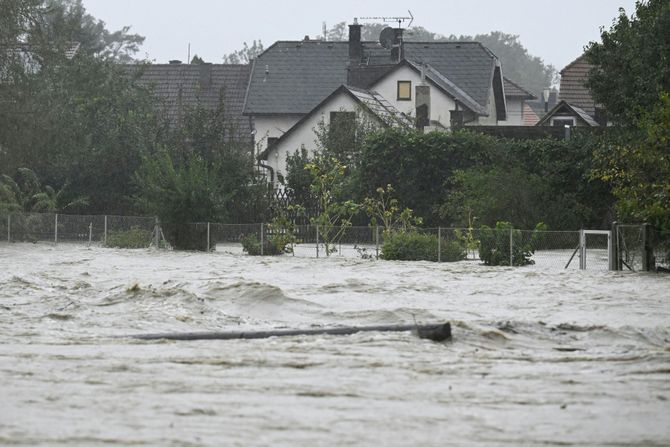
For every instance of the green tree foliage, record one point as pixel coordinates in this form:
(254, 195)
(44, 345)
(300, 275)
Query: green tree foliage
(385, 211)
(75, 119)
(639, 169)
(334, 215)
(632, 62)
(24, 192)
(419, 165)
(197, 60)
(495, 245)
(298, 179)
(518, 65)
(245, 54)
(450, 178)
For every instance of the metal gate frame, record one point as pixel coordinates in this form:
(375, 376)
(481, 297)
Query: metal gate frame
(582, 248)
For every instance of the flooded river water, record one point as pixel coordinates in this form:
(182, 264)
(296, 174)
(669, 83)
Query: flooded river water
(537, 357)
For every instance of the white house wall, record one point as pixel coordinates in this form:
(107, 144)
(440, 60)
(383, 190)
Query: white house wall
(514, 113)
(440, 104)
(304, 134)
(271, 126)
(492, 119)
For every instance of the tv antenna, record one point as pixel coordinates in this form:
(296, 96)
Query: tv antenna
(399, 20)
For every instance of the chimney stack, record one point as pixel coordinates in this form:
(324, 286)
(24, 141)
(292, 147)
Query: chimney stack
(398, 51)
(355, 45)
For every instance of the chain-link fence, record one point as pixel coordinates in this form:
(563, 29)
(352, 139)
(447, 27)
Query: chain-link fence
(641, 248)
(631, 247)
(61, 228)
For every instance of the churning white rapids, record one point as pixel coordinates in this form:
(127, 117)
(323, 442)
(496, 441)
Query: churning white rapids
(537, 357)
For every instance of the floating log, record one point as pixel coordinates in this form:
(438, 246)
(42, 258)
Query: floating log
(435, 332)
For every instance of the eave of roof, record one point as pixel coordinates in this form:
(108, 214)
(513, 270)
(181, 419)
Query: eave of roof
(581, 114)
(520, 91)
(354, 93)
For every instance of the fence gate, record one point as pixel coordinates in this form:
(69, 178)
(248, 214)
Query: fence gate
(597, 246)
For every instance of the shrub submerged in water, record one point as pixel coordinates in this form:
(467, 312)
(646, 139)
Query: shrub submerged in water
(133, 238)
(415, 246)
(273, 247)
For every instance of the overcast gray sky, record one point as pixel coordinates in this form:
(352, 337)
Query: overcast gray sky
(555, 31)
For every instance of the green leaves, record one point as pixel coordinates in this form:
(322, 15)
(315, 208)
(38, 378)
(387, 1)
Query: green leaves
(632, 62)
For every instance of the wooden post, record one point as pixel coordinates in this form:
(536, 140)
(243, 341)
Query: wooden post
(56, 229)
(377, 241)
(90, 233)
(207, 236)
(104, 236)
(9, 228)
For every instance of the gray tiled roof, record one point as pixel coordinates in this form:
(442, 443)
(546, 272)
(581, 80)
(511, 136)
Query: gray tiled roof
(293, 77)
(452, 89)
(183, 86)
(514, 90)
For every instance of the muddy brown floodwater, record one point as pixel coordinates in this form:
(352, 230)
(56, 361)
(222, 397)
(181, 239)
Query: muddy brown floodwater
(537, 357)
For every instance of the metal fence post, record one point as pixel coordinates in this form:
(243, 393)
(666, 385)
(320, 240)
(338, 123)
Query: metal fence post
(56, 229)
(317, 241)
(511, 246)
(377, 241)
(647, 249)
(104, 236)
(439, 244)
(262, 239)
(582, 250)
(157, 233)
(613, 252)
(207, 236)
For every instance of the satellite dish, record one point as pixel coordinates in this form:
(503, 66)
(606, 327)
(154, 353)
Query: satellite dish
(387, 38)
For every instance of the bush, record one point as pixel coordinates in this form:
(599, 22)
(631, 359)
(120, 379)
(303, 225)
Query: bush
(134, 238)
(271, 247)
(494, 244)
(414, 246)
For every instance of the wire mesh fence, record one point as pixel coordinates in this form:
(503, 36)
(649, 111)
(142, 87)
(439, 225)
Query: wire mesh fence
(591, 250)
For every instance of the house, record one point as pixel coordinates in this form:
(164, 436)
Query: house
(295, 85)
(566, 114)
(185, 86)
(517, 99)
(576, 106)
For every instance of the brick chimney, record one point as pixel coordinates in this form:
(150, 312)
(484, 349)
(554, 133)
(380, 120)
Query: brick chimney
(355, 45)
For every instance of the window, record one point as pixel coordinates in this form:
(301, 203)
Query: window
(561, 122)
(404, 90)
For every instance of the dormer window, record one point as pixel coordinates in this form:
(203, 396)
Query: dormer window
(404, 90)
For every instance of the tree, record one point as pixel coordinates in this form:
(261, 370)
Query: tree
(76, 118)
(244, 55)
(632, 62)
(334, 215)
(197, 60)
(639, 169)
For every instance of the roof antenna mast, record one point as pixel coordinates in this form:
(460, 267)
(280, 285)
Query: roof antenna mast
(399, 20)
